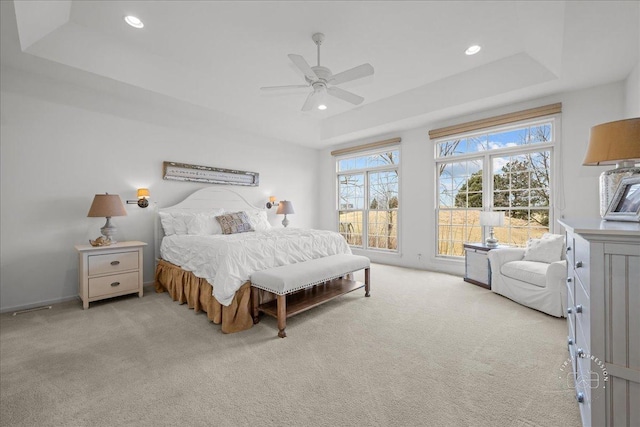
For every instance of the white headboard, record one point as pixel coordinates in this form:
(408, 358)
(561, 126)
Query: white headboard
(205, 199)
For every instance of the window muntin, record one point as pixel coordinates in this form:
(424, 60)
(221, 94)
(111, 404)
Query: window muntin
(503, 169)
(368, 199)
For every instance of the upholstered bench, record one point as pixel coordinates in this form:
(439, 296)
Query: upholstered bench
(304, 285)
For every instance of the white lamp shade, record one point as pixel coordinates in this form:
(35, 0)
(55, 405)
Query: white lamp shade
(285, 207)
(492, 219)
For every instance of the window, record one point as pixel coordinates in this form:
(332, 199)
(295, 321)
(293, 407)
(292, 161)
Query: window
(507, 169)
(368, 199)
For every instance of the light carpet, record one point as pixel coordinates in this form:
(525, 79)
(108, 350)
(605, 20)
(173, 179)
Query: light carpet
(427, 349)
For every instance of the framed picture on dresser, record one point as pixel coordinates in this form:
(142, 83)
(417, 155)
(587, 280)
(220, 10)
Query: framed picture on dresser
(625, 205)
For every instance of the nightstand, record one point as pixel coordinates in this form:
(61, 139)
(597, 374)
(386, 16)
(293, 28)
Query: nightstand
(476, 265)
(109, 271)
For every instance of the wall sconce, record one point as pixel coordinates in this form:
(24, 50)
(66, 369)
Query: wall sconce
(143, 198)
(272, 202)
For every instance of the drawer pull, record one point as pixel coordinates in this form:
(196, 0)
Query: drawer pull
(569, 280)
(580, 353)
(579, 308)
(114, 284)
(569, 340)
(580, 397)
(578, 264)
(569, 310)
(568, 248)
(115, 262)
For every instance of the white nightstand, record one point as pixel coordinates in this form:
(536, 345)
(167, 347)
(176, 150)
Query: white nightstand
(109, 271)
(477, 268)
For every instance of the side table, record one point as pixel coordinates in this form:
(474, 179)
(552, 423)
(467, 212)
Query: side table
(476, 264)
(109, 271)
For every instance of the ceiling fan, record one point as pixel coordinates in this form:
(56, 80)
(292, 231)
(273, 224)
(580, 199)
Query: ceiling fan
(323, 81)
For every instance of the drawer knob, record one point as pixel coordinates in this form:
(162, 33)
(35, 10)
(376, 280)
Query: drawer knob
(569, 310)
(580, 352)
(569, 280)
(580, 397)
(568, 248)
(579, 308)
(569, 340)
(578, 264)
(114, 284)
(115, 262)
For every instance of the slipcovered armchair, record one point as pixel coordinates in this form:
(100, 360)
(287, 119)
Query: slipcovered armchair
(534, 276)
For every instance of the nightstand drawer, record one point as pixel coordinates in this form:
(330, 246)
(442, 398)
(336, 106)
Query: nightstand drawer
(113, 263)
(113, 284)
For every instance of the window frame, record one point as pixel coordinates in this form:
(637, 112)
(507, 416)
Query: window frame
(365, 172)
(487, 156)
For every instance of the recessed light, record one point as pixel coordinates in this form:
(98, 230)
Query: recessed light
(472, 50)
(134, 21)
(322, 107)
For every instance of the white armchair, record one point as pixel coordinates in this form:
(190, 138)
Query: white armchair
(538, 285)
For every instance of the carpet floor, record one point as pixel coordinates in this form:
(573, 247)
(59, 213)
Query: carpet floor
(427, 349)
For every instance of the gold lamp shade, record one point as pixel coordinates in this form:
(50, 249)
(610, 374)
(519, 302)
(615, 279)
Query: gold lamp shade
(143, 192)
(614, 143)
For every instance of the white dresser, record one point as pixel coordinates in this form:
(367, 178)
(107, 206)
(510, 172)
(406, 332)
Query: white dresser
(603, 318)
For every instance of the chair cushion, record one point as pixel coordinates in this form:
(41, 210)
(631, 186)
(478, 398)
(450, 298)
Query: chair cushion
(531, 272)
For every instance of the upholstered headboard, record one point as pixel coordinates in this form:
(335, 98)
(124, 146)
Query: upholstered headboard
(205, 199)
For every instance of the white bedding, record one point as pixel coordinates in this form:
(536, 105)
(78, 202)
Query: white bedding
(229, 260)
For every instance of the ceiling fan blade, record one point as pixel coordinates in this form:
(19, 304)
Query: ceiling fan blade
(303, 65)
(283, 87)
(308, 104)
(344, 95)
(354, 73)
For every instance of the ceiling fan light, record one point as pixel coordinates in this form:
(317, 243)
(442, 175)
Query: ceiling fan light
(134, 21)
(472, 50)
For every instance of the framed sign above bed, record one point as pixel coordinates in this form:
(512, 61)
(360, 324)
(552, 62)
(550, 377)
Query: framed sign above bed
(184, 172)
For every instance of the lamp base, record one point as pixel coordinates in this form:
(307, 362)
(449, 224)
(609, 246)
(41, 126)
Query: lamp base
(109, 231)
(285, 221)
(610, 180)
(491, 241)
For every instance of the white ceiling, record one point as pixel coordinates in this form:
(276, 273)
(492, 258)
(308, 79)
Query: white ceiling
(216, 55)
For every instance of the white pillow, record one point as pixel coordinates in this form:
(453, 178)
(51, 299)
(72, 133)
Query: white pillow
(166, 219)
(258, 220)
(546, 249)
(204, 223)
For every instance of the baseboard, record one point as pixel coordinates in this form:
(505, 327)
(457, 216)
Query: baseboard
(57, 301)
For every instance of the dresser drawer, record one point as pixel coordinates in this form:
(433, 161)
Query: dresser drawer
(112, 284)
(581, 261)
(113, 263)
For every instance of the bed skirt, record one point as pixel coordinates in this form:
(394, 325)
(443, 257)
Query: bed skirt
(185, 287)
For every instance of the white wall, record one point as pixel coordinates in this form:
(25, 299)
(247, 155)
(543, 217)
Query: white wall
(61, 144)
(632, 105)
(580, 111)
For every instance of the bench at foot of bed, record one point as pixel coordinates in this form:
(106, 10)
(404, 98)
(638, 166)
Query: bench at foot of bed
(299, 287)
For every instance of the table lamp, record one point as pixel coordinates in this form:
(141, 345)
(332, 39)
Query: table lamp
(107, 205)
(491, 219)
(285, 207)
(614, 143)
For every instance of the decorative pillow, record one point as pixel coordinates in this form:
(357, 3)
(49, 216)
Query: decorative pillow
(204, 223)
(546, 249)
(236, 222)
(258, 220)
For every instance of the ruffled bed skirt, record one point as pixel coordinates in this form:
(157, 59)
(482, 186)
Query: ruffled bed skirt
(185, 287)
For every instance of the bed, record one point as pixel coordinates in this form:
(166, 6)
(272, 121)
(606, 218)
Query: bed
(209, 271)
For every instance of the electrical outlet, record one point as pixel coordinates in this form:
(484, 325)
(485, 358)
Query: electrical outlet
(419, 257)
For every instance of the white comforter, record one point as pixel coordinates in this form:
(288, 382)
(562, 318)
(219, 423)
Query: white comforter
(227, 261)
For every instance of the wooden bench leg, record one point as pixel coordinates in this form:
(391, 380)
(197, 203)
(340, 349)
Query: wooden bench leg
(255, 296)
(366, 283)
(282, 315)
